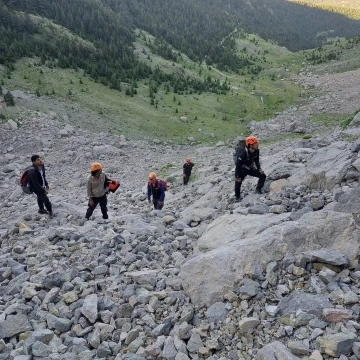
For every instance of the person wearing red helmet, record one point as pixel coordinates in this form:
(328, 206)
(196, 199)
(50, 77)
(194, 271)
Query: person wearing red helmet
(248, 163)
(187, 168)
(96, 191)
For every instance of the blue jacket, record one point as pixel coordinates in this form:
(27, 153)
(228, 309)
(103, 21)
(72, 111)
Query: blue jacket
(157, 191)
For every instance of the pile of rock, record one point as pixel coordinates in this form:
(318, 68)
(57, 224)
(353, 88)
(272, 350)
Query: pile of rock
(274, 276)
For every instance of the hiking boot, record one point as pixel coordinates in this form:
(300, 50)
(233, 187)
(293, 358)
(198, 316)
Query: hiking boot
(234, 200)
(51, 215)
(42, 211)
(258, 190)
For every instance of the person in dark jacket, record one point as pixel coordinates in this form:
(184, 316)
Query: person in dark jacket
(39, 185)
(248, 163)
(187, 168)
(156, 189)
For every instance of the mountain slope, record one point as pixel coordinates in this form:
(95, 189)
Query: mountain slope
(349, 8)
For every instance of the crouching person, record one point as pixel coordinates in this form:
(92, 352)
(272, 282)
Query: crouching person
(96, 191)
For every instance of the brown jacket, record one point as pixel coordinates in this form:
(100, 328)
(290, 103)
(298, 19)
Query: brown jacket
(96, 186)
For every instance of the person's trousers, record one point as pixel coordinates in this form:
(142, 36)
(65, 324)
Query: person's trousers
(102, 201)
(42, 199)
(156, 205)
(252, 172)
(186, 179)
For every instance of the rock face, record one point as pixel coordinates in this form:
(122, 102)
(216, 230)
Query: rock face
(328, 167)
(273, 276)
(215, 272)
(236, 227)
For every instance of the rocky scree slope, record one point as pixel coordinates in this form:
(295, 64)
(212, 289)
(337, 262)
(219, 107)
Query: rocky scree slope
(275, 276)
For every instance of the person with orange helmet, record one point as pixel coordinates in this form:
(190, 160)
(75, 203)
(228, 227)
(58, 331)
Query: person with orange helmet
(187, 168)
(96, 190)
(156, 189)
(248, 163)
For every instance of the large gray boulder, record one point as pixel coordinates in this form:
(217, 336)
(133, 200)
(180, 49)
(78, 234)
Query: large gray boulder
(14, 325)
(206, 277)
(349, 202)
(309, 303)
(327, 166)
(236, 227)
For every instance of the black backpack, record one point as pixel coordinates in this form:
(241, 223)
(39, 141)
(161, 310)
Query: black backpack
(239, 148)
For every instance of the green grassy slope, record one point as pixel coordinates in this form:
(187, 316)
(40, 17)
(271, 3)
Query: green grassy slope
(210, 117)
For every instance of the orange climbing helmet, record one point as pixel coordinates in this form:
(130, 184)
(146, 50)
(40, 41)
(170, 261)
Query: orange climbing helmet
(96, 167)
(188, 160)
(251, 140)
(152, 176)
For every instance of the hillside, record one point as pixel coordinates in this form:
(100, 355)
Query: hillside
(188, 116)
(204, 116)
(349, 8)
(289, 24)
(276, 273)
(267, 276)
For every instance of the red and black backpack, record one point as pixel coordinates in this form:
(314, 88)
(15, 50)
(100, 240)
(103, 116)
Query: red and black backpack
(24, 181)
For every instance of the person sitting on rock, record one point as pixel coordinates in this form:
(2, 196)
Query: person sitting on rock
(39, 185)
(187, 168)
(96, 191)
(157, 190)
(248, 163)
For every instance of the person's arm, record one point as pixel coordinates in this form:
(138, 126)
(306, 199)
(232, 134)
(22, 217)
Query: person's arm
(257, 161)
(162, 192)
(107, 180)
(89, 189)
(184, 170)
(34, 181)
(149, 192)
(46, 183)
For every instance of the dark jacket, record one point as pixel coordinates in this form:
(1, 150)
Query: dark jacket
(157, 190)
(247, 160)
(36, 181)
(187, 167)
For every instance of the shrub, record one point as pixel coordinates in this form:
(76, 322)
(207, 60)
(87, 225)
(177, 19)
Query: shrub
(9, 99)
